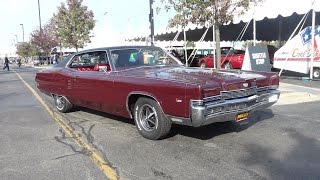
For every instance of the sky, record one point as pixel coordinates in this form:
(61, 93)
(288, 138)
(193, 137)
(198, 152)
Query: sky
(115, 19)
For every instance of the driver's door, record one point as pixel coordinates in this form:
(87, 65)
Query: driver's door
(91, 88)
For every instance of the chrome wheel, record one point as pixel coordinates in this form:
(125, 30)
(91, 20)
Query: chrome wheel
(60, 103)
(148, 117)
(203, 65)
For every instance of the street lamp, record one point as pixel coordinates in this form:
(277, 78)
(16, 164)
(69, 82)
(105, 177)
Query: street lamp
(17, 38)
(22, 32)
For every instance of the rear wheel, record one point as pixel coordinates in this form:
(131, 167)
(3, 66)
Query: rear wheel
(316, 73)
(150, 120)
(228, 65)
(62, 104)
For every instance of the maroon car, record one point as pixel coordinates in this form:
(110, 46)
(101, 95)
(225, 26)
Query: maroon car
(230, 59)
(152, 87)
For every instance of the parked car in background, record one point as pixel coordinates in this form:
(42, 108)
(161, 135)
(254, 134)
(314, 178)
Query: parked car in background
(193, 57)
(151, 86)
(36, 62)
(230, 59)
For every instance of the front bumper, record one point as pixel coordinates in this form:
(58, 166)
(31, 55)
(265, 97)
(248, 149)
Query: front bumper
(226, 110)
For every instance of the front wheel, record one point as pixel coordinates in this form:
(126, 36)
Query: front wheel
(150, 120)
(62, 104)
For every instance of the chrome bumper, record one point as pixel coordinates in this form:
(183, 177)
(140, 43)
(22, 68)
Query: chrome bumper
(227, 110)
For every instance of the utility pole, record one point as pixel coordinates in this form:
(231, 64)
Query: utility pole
(151, 20)
(22, 32)
(39, 15)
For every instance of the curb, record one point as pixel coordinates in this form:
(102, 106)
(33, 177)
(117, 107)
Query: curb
(296, 97)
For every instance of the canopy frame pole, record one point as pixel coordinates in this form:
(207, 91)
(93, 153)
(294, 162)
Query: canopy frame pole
(312, 41)
(254, 27)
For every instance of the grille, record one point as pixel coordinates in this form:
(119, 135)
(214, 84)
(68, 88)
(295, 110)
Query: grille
(238, 93)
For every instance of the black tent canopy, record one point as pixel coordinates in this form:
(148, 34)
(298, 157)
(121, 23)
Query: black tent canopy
(267, 29)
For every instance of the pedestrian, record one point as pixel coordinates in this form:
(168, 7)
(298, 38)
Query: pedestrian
(55, 59)
(6, 63)
(19, 61)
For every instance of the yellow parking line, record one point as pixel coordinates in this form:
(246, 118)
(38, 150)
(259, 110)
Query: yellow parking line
(92, 153)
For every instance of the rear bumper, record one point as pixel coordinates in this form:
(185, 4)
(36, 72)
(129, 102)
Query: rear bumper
(228, 109)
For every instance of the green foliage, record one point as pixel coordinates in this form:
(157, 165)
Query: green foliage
(72, 24)
(190, 44)
(24, 49)
(202, 11)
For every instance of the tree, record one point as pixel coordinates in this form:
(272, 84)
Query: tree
(216, 12)
(72, 24)
(24, 49)
(44, 40)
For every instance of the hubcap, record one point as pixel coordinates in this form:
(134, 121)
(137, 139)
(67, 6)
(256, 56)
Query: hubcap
(316, 74)
(60, 102)
(203, 65)
(148, 117)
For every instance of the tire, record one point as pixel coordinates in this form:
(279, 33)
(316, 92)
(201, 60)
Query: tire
(156, 126)
(228, 65)
(203, 65)
(62, 104)
(316, 73)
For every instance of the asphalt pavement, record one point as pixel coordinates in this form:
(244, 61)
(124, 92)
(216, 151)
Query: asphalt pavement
(33, 146)
(281, 142)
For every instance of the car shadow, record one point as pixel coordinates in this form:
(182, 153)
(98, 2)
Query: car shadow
(105, 115)
(216, 129)
(204, 132)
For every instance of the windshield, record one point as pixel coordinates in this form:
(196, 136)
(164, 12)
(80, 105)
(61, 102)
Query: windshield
(144, 56)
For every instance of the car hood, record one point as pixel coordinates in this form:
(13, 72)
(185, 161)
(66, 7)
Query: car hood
(206, 78)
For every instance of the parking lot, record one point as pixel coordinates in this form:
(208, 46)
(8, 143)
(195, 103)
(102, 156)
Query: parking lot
(281, 142)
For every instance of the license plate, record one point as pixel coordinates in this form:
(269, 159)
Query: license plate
(242, 116)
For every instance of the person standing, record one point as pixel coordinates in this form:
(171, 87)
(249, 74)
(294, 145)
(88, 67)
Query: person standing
(55, 59)
(6, 63)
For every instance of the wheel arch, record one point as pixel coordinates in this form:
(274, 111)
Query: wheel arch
(134, 96)
(53, 95)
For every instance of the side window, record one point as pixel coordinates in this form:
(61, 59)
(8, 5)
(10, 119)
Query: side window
(124, 58)
(90, 61)
(79, 60)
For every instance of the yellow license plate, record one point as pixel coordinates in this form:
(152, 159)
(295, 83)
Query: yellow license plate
(242, 116)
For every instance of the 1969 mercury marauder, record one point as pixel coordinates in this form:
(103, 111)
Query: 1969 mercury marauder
(152, 87)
